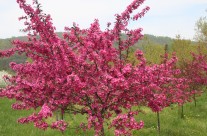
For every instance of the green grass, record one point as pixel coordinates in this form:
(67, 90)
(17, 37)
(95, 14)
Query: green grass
(10, 127)
(194, 123)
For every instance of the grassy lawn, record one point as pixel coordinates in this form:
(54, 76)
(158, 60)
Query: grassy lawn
(194, 123)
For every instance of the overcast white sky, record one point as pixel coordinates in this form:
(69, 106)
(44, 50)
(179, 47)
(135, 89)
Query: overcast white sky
(165, 18)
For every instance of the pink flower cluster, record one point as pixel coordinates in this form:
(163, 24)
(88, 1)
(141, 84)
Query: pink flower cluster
(45, 111)
(60, 124)
(125, 123)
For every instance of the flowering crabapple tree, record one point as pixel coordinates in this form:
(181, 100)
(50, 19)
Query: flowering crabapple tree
(83, 73)
(197, 78)
(163, 85)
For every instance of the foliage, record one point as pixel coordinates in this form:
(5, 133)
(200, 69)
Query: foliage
(201, 30)
(151, 50)
(183, 49)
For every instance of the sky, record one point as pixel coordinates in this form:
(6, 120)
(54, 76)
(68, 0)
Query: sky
(165, 18)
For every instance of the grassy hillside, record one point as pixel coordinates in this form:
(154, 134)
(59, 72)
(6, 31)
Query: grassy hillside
(4, 62)
(159, 40)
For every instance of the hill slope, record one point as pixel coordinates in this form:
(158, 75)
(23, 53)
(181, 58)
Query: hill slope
(6, 44)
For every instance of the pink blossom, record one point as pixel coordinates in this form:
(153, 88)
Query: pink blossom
(60, 125)
(45, 111)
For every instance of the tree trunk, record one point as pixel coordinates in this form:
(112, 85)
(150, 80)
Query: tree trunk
(62, 114)
(57, 118)
(101, 133)
(194, 98)
(181, 111)
(158, 122)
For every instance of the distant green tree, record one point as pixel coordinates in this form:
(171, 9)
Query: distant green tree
(152, 50)
(183, 49)
(201, 30)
